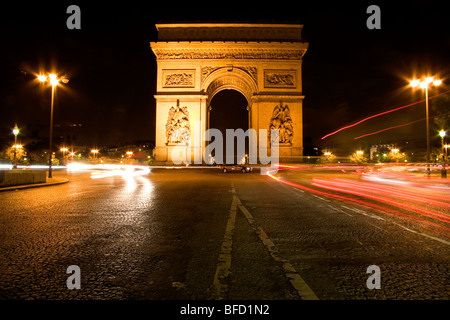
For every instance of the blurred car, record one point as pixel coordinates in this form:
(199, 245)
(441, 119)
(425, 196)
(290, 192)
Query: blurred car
(235, 168)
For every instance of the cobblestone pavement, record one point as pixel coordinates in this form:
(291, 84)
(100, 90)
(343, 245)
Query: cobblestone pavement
(185, 234)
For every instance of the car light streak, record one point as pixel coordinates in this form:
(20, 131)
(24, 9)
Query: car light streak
(125, 171)
(426, 224)
(109, 170)
(425, 197)
(380, 114)
(350, 189)
(388, 128)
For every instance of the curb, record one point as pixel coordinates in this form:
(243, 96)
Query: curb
(37, 185)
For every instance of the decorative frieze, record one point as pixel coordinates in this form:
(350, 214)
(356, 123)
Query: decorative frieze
(251, 71)
(178, 78)
(176, 54)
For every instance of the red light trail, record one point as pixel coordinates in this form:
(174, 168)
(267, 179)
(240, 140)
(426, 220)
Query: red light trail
(380, 114)
(382, 194)
(390, 128)
(425, 209)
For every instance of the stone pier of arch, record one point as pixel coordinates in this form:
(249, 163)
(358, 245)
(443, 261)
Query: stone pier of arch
(261, 61)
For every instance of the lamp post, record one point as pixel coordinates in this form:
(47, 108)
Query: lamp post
(424, 84)
(64, 150)
(54, 81)
(15, 132)
(442, 134)
(94, 151)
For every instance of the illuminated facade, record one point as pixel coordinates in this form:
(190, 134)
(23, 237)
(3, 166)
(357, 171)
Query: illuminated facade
(261, 61)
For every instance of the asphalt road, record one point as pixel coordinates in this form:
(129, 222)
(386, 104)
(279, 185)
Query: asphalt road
(202, 234)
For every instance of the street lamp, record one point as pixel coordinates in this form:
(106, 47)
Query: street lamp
(54, 81)
(15, 132)
(94, 151)
(442, 134)
(64, 150)
(424, 84)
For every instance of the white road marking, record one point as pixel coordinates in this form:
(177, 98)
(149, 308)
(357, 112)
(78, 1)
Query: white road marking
(363, 213)
(219, 287)
(423, 234)
(304, 291)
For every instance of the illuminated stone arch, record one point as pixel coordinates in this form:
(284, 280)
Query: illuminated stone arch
(230, 78)
(196, 61)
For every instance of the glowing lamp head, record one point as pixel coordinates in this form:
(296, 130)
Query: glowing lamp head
(52, 76)
(54, 82)
(429, 79)
(442, 133)
(42, 78)
(424, 84)
(16, 130)
(414, 83)
(437, 82)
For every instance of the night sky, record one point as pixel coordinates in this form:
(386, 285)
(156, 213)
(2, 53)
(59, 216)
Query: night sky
(349, 71)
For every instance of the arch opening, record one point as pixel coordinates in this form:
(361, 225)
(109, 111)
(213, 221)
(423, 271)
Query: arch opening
(229, 110)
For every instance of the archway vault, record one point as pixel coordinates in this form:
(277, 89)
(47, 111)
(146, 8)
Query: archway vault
(230, 78)
(261, 61)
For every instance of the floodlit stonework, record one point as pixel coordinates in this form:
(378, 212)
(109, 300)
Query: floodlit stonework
(261, 61)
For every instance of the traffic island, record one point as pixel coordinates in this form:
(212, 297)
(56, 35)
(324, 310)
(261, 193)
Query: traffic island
(23, 179)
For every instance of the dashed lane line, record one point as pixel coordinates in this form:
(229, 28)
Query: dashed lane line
(219, 288)
(302, 288)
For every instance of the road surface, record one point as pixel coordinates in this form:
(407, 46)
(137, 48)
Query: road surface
(202, 234)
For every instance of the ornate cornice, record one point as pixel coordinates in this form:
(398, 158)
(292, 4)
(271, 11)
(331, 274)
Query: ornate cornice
(260, 54)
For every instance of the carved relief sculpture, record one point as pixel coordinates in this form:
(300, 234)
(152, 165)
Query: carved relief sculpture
(178, 78)
(251, 71)
(178, 128)
(279, 78)
(281, 120)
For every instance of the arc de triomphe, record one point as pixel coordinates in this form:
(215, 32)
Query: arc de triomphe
(261, 61)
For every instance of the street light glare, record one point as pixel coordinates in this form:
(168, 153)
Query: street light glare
(429, 79)
(414, 83)
(16, 130)
(42, 78)
(54, 82)
(442, 133)
(437, 82)
(424, 84)
(52, 76)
